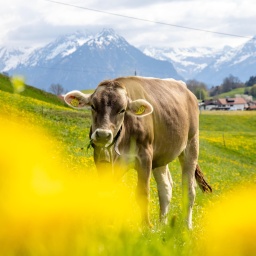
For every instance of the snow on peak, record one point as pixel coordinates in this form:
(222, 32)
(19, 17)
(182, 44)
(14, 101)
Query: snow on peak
(66, 45)
(234, 56)
(105, 38)
(187, 61)
(61, 47)
(12, 57)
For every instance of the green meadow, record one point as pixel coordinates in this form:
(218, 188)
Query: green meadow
(227, 158)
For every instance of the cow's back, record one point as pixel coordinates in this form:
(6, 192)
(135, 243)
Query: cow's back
(175, 117)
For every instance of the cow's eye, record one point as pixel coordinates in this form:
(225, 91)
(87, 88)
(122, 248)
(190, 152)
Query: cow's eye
(122, 111)
(93, 108)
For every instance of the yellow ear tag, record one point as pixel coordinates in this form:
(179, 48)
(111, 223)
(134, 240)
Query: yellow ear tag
(74, 102)
(140, 110)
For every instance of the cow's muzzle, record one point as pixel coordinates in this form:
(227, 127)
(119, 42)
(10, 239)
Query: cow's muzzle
(102, 137)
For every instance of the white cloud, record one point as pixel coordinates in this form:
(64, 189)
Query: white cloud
(38, 21)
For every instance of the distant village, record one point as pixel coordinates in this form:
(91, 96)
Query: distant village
(240, 102)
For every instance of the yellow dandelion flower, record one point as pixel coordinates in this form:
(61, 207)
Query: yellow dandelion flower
(44, 207)
(18, 83)
(231, 225)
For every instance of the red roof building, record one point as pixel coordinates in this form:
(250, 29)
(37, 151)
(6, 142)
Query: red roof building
(238, 103)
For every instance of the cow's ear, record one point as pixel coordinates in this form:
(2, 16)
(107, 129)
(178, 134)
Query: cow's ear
(139, 108)
(77, 99)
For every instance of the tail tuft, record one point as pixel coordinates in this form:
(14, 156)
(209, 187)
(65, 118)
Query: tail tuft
(204, 186)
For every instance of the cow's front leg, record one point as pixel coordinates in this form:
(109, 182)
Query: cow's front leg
(143, 167)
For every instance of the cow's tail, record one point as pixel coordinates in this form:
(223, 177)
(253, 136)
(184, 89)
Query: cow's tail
(203, 185)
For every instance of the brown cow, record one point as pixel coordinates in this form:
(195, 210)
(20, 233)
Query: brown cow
(149, 122)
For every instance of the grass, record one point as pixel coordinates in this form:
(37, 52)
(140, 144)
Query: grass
(228, 144)
(227, 158)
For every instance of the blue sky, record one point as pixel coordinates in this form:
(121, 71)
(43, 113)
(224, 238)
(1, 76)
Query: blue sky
(36, 22)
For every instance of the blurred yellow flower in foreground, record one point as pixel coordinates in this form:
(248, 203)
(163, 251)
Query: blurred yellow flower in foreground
(46, 210)
(230, 227)
(18, 83)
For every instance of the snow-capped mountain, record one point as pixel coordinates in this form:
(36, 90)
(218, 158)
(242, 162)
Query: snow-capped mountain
(10, 57)
(60, 48)
(209, 65)
(188, 62)
(82, 60)
(239, 61)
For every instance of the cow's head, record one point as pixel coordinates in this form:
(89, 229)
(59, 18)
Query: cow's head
(109, 105)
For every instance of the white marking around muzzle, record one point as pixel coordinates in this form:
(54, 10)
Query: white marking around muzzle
(102, 136)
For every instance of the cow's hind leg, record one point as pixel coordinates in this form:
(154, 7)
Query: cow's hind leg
(164, 186)
(188, 160)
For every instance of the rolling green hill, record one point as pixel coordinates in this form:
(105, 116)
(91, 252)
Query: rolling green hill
(30, 91)
(232, 93)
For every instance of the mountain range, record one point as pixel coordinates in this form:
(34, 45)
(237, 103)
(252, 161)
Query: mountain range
(188, 62)
(209, 65)
(81, 60)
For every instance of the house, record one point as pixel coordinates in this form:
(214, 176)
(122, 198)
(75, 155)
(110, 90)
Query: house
(208, 104)
(251, 105)
(237, 103)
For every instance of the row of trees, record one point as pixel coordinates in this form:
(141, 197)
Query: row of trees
(253, 91)
(251, 82)
(198, 88)
(229, 83)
